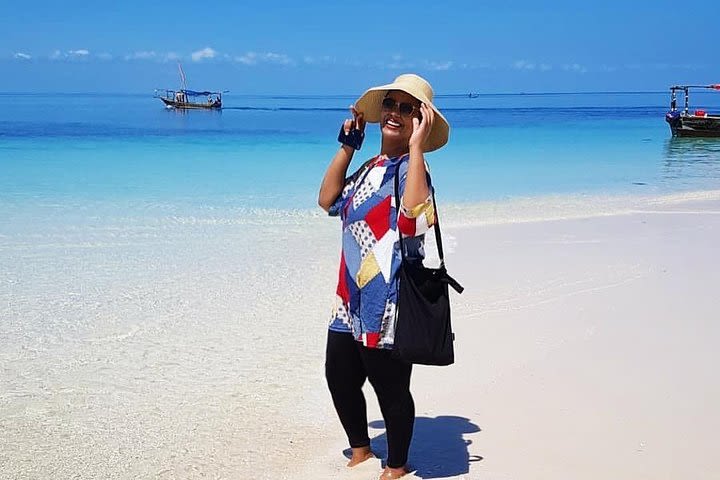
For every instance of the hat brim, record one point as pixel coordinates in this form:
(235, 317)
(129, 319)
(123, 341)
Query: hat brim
(370, 105)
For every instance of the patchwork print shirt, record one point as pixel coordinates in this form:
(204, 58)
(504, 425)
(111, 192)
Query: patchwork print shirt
(366, 294)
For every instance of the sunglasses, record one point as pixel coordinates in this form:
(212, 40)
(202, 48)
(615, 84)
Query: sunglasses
(405, 109)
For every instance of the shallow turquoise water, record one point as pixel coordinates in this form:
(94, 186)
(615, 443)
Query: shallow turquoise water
(270, 152)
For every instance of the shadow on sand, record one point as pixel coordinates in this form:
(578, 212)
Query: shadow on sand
(438, 449)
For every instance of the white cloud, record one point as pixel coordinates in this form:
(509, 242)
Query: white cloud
(22, 56)
(523, 65)
(249, 58)
(104, 56)
(142, 55)
(253, 58)
(397, 62)
(171, 56)
(529, 66)
(78, 53)
(574, 67)
(322, 60)
(439, 66)
(203, 54)
(70, 54)
(488, 66)
(278, 58)
(399, 65)
(354, 63)
(657, 66)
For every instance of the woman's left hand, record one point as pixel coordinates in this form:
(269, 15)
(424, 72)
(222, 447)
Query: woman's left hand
(422, 128)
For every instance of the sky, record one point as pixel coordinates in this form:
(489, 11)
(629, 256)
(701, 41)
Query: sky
(278, 47)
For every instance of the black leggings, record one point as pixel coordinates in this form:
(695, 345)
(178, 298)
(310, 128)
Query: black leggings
(347, 364)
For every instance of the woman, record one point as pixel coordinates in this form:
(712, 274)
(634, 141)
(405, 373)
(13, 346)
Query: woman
(360, 339)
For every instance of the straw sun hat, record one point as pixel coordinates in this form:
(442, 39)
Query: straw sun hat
(370, 105)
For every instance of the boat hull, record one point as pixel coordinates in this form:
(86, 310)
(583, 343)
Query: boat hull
(191, 105)
(693, 125)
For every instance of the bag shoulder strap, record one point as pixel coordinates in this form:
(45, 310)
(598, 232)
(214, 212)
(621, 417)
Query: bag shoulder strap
(436, 225)
(438, 236)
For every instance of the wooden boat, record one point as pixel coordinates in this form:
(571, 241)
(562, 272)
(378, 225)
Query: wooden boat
(192, 99)
(699, 123)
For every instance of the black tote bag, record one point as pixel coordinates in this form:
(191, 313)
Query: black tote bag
(423, 331)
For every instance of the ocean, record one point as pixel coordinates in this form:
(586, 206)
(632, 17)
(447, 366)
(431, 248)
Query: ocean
(166, 277)
(270, 152)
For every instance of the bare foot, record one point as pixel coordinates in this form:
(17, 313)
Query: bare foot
(359, 455)
(391, 473)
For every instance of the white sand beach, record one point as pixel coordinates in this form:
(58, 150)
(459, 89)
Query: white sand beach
(586, 349)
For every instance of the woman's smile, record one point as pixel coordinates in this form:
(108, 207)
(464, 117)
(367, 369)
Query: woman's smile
(393, 123)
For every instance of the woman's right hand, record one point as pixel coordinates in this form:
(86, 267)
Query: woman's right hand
(357, 121)
(334, 178)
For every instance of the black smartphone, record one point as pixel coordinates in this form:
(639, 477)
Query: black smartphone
(353, 139)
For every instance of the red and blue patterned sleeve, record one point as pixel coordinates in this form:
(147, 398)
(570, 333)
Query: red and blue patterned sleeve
(415, 220)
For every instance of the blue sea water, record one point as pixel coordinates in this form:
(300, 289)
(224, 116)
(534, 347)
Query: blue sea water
(271, 151)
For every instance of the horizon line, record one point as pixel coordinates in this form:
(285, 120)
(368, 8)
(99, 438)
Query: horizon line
(469, 94)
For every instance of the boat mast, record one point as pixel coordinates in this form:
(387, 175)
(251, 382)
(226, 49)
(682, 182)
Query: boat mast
(673, 100)
(182, 77)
